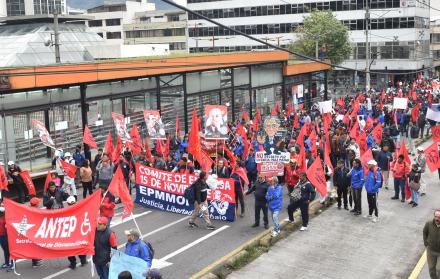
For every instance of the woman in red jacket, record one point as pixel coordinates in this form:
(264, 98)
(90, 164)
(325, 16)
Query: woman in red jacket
(108, 204)
(291, 175)
(401, 170)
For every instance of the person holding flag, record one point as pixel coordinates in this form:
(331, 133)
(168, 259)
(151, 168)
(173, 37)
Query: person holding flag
(69, 176)
(4, 241)
(421, 162)
(17, 182)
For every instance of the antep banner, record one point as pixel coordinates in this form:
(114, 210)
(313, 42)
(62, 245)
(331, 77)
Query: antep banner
(164, 190)
(43, 234)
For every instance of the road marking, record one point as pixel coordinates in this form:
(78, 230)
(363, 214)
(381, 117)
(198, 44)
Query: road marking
(112, 224)
(123, 245)
(419, 266)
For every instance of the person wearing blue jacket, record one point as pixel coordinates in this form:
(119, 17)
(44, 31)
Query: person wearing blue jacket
(372, 184)
(357, 182)
(251, 168)
(274, 197)
(136, 247)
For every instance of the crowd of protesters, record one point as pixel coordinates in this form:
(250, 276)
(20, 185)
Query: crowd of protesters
(345, 135)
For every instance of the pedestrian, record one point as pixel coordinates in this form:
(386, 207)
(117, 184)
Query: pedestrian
(357, 183)
(291, 175)
(69, 182)
(239, 185)
(72, 259)
(85, 173)
(35, 202)
(97, 159)
(4, 241)
(17, 182)
(413, 135)
(421, 162)
(222, 171)
(400, 171)
(414, 178)
(260, 190)
(136, 247)
(301, 196)
(105, 240)
(104, 171)
(53, 198)
(201, 202)
(274, 197)
(373, 182)
(431, 236)
(341, 181)
(78, 156)
(251, 167)
(383, 159)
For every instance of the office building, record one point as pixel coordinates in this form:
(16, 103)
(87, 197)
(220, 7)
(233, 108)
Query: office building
(31, 7)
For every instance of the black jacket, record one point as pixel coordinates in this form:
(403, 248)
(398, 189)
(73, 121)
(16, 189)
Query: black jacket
(341, 178)
(259, 189)
(54, 203)
(201, 189)
(102, 247)
(383, 159)
(306, 191)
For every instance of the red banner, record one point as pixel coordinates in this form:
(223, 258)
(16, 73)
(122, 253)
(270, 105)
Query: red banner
(69, 169)
(43, 234)
(28, 182)
(436, 133)
(432, 157)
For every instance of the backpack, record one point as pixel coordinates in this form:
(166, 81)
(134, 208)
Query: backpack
(190, 193)
(149, 246)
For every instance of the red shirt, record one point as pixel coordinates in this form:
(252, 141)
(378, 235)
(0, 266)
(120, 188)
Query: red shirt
(400, 169)
(2, 226)
(291, 175)
(107, 208)
(112, 240)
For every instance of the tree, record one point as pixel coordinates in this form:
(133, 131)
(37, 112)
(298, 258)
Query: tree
(332, 36)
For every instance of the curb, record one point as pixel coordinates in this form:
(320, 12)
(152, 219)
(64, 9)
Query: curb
(223, 266)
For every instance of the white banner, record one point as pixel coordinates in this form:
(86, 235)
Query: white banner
(326, 106)
(433, 113)
(400, 103)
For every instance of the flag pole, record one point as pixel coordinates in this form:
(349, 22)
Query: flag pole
(136, 224)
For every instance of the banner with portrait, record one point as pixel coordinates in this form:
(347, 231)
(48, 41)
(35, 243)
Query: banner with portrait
(216, 119)
(43, 133)
(121, 127)
(155, 126)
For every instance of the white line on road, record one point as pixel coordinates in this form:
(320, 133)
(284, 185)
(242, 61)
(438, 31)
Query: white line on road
(122, 245)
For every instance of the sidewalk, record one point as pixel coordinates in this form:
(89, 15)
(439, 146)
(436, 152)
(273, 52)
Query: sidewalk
(339, 245)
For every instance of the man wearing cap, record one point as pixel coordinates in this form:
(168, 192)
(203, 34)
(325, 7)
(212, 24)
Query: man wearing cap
(421, 161)
(14, 172)
(72, 259)
(136, 247)
(373, 182)
(105, 240)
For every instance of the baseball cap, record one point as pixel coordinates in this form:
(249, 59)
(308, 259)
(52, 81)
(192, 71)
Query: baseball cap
(71, 200)
(10, 163)
(67, 154)
(103, 220)
(372, 162)
(132, 232)
(35, 201)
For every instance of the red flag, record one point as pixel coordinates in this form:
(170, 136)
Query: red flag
(316, 176)
(167, 148)
(205, 162)
(302, 133)
(289, 108)
(327, 161)
(432, 157)
(296, 121)
(436, 133)
(177, 125)
(194, 137)
(404, 151)
(46, 182)
(256, 120)
(117, 151)
(312, 139)
(356, 108)
(242, 133)
(28, 182)
(377, 133)
(3, 179)
(118, 188)
(69, 169)
(160, 148)
(88, 138)
(346, 119)
(415, 113)
(136, 144)
(354, 132)
(35, 233)
(361, 140)
(368, 123)
(407, 190)
(302, 166)
(108, 146)
(242, 173)
(340, 102)
(245, 117)
(276, 109)
(148, 151)
(231, 157)
(365, 158)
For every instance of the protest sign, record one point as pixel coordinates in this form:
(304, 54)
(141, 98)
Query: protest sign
(400, 103)
(433, 113)
(155, 126)
(43, 133)
(326, 106)
(121, 127)
(43, 234)
(164, 190)
(216, 119)
(121, 262)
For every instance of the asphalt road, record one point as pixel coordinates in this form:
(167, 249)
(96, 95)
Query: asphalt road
(180, 250)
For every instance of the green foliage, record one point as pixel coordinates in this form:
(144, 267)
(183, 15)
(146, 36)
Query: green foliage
(328, 31)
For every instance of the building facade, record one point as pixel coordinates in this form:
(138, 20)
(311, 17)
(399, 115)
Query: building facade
(31, 7)
(435, 44)
(159, 27)
(399, 31)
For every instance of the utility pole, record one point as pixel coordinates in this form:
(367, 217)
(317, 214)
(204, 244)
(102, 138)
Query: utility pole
(367, 46)
(316, 49)
(56, 37)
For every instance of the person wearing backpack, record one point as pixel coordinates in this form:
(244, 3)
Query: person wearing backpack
(373, 182)
(138, 248)
(301, 196)
(199, 197)
(414, 178)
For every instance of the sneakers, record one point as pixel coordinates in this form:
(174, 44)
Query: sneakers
(255, 225)
(303, 229)
(375, 219)
(275, 233)
(5, 266)
(394, 198)
(193, 225)
(72, 266)
(37, 264)
(368, 216)
(414, 205)
(210, 227)
(411, 202)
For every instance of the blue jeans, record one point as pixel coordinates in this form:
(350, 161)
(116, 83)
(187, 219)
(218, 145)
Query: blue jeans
(415, 196)
(4, 245)
(276, 220)
(399, 184)
(102, 271)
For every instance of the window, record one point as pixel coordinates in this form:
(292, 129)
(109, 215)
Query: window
(113, 22)
(113, 35)
(95, 23)
(101, 34)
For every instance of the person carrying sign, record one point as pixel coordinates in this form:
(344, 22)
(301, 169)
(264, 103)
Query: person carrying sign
(136, 247)
(201, 202)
